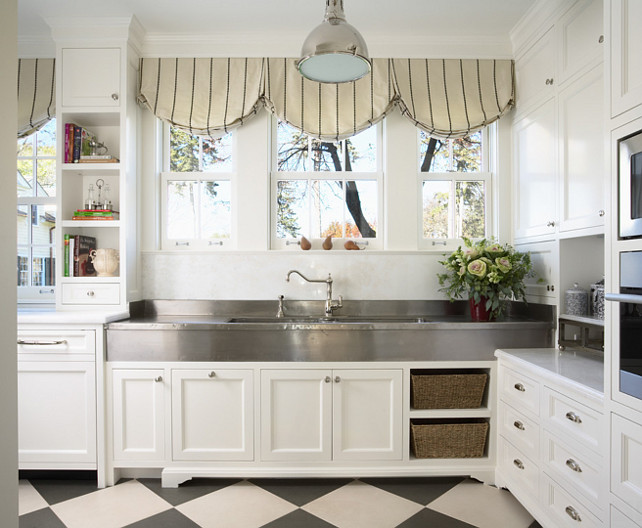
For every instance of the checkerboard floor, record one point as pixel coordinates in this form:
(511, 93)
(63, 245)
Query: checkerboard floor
(448, 502)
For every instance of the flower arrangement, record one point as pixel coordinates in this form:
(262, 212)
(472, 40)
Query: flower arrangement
(486, 272)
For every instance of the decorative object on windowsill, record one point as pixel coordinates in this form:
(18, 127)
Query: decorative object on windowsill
(334, 52)
(305, 244)
(576, 300)
(488, 273)
(351, 245)
(327, 243)
(597, 299)
(105, 261)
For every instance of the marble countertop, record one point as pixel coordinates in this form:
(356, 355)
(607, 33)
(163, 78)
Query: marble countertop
(49, 315)
(582, 367)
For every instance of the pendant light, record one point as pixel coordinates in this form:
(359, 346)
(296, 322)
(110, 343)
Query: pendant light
(334, 51)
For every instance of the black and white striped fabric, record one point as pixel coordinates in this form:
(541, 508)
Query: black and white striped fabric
(445, 97)
(449, 98)
(206, 97)
(36, 94)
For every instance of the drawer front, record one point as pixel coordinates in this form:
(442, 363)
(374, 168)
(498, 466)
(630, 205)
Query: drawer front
(619, 520)
(518, 470)
(565, 508)
(565, 416)
(520, 430)
(46, 345)
(520, 391)
(574, 466)
(90, 293)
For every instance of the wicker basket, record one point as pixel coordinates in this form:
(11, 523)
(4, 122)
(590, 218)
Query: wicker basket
(447, 391)
(457, 440)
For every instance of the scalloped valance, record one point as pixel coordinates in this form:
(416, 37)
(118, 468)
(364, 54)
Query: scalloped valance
(446, 98)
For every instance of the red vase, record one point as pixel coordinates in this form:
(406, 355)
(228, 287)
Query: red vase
(478, 311)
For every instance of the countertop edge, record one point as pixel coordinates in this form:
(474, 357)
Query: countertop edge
(70, 317)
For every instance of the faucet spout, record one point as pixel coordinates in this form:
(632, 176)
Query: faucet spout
(330, 305)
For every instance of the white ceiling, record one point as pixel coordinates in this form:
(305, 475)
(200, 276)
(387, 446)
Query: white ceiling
(287, 20)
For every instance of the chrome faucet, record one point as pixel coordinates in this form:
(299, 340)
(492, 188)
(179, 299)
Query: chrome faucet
(280, 312)
(330, 305)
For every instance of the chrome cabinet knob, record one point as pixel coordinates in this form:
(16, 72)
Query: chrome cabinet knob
(601, 212)
(601, 39)
(519, 425)
(327, 379)
(91, 293)
(573, 417)
(114, 96)
(337, 379)
(520, 387)
(549, 82)
(550, 224)
(158, 379)
(573, 465)
(211, 374)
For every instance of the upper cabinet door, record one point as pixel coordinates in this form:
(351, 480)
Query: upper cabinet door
(91, 77)
(582, 38)
(626, 59)
(535, 71)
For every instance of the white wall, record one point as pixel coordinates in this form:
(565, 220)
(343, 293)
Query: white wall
(8, 388)
(254, 272)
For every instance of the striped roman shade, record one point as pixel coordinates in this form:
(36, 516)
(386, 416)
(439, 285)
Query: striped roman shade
(202, 96)
(327, 111)
(36, 94)
(445, 97)
(449, 98)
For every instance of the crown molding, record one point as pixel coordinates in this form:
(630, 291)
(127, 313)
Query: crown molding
(36, 48)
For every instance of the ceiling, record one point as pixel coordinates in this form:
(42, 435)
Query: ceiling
(289, 20)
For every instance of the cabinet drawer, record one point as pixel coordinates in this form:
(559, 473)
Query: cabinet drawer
(619, 520)
(569, 417)
(90, 293)
(54, 344)
(518, 470)
(520, 391)
(571, 465)
(520, 430)
(565, 508)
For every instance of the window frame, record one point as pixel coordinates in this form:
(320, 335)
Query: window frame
(45, 293)
(277, 243)
(486, 175)
(197, 243)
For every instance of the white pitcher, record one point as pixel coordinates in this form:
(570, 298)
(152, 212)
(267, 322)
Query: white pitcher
(105, 261)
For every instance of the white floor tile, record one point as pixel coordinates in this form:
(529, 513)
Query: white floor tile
(113, 507)
(482, 506)
(357, 505)
(28, 498)
(242, 505)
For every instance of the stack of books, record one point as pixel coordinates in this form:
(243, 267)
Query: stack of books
(76, 259)
(94, 214)
(78, 146)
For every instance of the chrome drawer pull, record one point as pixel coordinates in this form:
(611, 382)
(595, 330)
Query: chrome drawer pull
(570, 415)
(573, 465)
(42, 343)
(211, 374)
(572, 513)
(520, 387)
(158, 379)
(518, 463)
(519, 425)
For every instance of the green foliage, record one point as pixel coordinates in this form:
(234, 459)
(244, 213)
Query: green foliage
(486, 269)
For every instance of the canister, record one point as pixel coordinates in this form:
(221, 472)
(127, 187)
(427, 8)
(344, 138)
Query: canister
(576, 301)
(597, 299)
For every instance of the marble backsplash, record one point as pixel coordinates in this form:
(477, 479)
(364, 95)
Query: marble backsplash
(261, 275)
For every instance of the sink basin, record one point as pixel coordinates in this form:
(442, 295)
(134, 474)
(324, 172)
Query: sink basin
(343, 319)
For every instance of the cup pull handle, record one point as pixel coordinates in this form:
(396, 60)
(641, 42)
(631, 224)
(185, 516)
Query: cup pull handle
(518, 463)
(572, 513)
(570, 415)
(519, 425)
(573, 465)
(520, 387)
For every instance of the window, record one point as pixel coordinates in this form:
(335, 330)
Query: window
(36, 215)
(326, 188)
(197, 191)
(454, 188)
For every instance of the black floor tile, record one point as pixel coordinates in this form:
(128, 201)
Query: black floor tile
(300, 491)
(167, 519)
(423, 490)
(190, 490)
(44, 518)
(430, 518)
(298, 519)
(55, 491)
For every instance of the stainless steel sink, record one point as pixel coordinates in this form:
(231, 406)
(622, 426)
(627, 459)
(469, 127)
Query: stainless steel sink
(347, 319)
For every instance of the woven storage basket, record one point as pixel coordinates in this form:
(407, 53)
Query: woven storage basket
(447, 391)
(460, 440)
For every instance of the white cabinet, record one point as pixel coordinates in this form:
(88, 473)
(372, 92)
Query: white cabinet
(331, 414)
(535, 73)
(91, 77)
(626, 59)
(534, 172)
(544, 286)
(212, 414)
(138, 421)
(626, 454)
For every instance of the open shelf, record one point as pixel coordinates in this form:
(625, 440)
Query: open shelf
(102, 167)
(95, 280)
(584, 319)
(91, 223)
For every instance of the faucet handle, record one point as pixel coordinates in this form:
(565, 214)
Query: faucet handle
(280, 313)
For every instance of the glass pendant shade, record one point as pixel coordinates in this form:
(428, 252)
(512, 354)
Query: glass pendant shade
(334, 51)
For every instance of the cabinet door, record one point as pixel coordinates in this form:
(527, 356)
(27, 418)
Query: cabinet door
(626, 59)
(57, 415)
(626, 454)
(296, 415)
(367, 415)
(139, 414)
(582, 38)
(544, 284)
(535, 71)
(212, 415)
(91, 77)
(535, 178)
(583, 174)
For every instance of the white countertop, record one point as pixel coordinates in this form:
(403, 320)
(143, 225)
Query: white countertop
(582, 367)
(45, 315)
